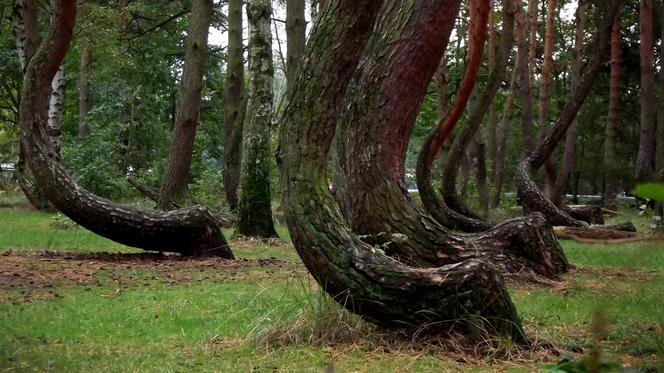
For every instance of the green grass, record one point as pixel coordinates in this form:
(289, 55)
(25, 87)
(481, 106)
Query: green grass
(130, 318)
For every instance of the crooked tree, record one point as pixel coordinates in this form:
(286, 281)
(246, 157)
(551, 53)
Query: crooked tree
(363, 279)
(190, 231)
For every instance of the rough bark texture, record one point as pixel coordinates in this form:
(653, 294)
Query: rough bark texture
(355, 274)
(180, 153)
(501, 151)
(567, 162)
(477, 114)
(610, 139)
(434, 205)
(234, 105)
(255, 209)
(296, 29)
(56, 109)
(190, 231)
(531, 196)
(492, 121)
(380, 111)
(645, 158)
(84, 80)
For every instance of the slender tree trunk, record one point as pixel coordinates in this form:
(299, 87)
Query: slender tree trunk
(255, 211)
(570, 138)
(531, 196)
(296, 34)
(483, 197)
(55, 108)
(365, 281)
(543, 103)
(84, 80)
(492, 121)
(176, 174)
(234, 105)
(610, 140)
(501, 152)
(523, 83)
(313, 11)
(645, 158)
(191, 231)
(660, 125)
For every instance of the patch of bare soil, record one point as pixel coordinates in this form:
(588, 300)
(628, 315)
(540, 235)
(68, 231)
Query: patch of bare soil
(36, 276)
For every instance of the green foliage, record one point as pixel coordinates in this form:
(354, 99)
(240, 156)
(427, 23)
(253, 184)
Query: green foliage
(568, 365)
(652, 191)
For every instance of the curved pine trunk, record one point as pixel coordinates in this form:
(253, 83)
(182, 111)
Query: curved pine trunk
(362, 279)
(191, 231)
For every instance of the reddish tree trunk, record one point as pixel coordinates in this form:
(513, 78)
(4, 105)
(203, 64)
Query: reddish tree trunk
(543, 103)
(645, 158)
(610, 141)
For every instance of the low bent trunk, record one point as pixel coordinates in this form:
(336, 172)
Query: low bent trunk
(191, 231)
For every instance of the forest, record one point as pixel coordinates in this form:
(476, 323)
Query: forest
(332, 185)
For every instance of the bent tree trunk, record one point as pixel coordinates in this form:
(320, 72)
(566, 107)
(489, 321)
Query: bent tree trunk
(191, 231)
(357, 276)
(531, 196)
(234, 105)
(180, 153)
(380, 112)
(434, 205)
(477, 114)
(255, 210)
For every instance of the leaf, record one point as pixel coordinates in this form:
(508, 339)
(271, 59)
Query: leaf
(651, 191)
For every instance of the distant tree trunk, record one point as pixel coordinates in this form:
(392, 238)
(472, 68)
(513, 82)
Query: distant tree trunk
(483, 196)
(25, 30)
(55, 108)
(531, 196)
(477, 113)
(660, 125)
(296, 36)
(567, 163)
(378, 117)
(440, 134)
(532, 26)
(492, 121)
(313, 11)
(84, 80)
(176, 174)
(501, 152)
(235, 104)
(610, 141)
(255, 209)
(523, 81)
(191, 231)
(382, 290)
(543, 103)
(645, 158)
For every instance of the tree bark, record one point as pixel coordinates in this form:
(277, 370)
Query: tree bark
(543, 103)
(523, 81)
(176, 174)
(610, 140)
(645, 158)
(567, 162)
(234, 105)
(84, 80)
(191, 231)
(477, 114)
(382, 111)
(296, 29)
(501, 152)
(492, 121)
(356, 275)
(255, 211)
(531, 196)
(55, 108)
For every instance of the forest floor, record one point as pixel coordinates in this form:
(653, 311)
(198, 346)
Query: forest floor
(72, 301)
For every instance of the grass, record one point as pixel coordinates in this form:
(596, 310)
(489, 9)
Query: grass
(65, 314)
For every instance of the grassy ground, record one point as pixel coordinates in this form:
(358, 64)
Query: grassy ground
(74, 309)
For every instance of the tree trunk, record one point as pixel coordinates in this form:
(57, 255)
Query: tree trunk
(567, 163)
(84, 80)
(660, 125)
(372, 150)
(434, 205)
(296, 33)
(55, 108)
(176, 174)
(191, 231)
(492, 121)
(531, 196)
(523, 82)
(477, 114)
(543, 103)
(645, 158)
(234, 105)
(356, 275)
(610, 140)
(483, 197)
(255, 211)
(501, 152)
